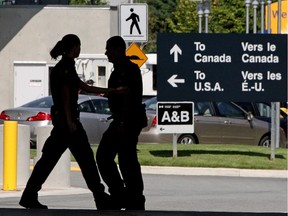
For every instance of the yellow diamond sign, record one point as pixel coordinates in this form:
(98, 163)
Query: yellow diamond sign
(136, 55)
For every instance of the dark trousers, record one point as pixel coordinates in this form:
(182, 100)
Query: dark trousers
(56, 144)
(122, 141)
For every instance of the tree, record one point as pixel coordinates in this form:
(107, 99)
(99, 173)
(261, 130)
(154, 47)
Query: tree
(184, 18)
(159, 11)
(87, 2)
(227, 16)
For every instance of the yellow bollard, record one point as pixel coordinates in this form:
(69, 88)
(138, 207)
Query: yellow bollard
(10, 137)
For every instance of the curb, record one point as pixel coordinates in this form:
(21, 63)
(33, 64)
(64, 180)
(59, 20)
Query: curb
(214, 172)
(202, 171)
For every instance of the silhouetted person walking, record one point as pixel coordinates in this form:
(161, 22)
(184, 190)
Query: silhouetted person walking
(135, 20)
(68, 131)
(121, 137)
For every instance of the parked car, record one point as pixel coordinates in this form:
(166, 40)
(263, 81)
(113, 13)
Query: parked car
(94, 112)
(262, 111)
(214, 122)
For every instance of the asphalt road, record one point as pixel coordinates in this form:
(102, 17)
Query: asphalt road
(176, 195)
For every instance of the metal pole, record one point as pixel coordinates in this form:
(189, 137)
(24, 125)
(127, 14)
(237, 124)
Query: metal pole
(277, 104)
(206, 22)
(273, 140)
(174, 145)
(206, 6)
(200, 15)
(269, 16)
(279, 17)
(247, 3)
(262, 15)
(255, 5)
(277, 124)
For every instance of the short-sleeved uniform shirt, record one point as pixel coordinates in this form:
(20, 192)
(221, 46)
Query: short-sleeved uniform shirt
(64, 74)
(126, 107)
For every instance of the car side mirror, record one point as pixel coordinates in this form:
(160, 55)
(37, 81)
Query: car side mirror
(250, 116)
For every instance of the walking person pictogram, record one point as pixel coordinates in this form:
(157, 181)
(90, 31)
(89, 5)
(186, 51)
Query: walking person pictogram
(135, 19)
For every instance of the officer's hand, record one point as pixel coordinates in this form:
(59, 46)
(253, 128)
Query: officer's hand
(72, 127)
(122, 89)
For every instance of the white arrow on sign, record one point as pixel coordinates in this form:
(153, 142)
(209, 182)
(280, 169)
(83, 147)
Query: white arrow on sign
(172, 80)
(175, 50)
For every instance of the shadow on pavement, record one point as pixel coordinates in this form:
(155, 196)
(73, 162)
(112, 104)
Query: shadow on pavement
(75, 212)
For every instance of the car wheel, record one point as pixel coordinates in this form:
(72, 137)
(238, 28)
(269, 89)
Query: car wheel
(187, 139)
(265, 141)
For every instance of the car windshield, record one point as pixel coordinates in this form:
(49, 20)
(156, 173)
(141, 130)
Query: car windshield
(45, 102)
(151, 104)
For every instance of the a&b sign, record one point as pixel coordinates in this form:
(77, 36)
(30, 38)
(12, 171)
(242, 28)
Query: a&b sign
(175, 117)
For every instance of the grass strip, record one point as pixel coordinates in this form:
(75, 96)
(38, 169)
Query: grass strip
(208, 155)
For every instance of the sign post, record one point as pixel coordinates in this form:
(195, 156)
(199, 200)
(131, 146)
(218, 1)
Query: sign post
(175, 117)
(223, 67)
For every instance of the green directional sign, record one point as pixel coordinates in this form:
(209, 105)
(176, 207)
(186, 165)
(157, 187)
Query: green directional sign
(221, 67)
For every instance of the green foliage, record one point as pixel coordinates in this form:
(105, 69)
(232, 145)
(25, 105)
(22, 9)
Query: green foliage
(87, 2)
(228, 16)
(184, 18)
(212, 155)
(204, 155)
(159, 11)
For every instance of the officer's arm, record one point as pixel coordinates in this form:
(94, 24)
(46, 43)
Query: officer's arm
(67, 108)
(98, 90)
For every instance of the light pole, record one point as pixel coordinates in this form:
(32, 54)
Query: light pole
(200, 15)
(269, 16)
(203, 7)
(247, 4)
(255, 5)
(206, 7)
(262, 3)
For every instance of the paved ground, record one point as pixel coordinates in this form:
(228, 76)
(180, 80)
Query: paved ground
(145, 170)
(60, 212)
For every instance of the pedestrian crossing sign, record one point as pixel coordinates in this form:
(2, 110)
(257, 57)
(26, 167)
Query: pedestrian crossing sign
(133, 22)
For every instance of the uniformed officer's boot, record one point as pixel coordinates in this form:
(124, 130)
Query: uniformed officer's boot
(135, 202)
(30, 201)
(119, 198)
(102, 201)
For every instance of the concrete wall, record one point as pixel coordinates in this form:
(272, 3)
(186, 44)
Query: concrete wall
(28, 33)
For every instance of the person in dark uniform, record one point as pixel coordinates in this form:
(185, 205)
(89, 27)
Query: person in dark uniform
(121, 137)
(68, 131)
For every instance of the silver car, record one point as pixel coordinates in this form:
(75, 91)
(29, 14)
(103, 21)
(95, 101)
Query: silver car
(94, 112)
(215, 123)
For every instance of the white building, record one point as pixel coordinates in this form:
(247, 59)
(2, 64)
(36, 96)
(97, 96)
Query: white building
(29, 32)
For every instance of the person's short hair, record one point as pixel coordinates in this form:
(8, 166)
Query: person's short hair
(117, 42)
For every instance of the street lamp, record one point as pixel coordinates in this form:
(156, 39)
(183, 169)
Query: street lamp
(203, 7)
(255, 5)
(262, 3)
(200, 15)
(206, 6)
(247, 4)
(269, 16)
